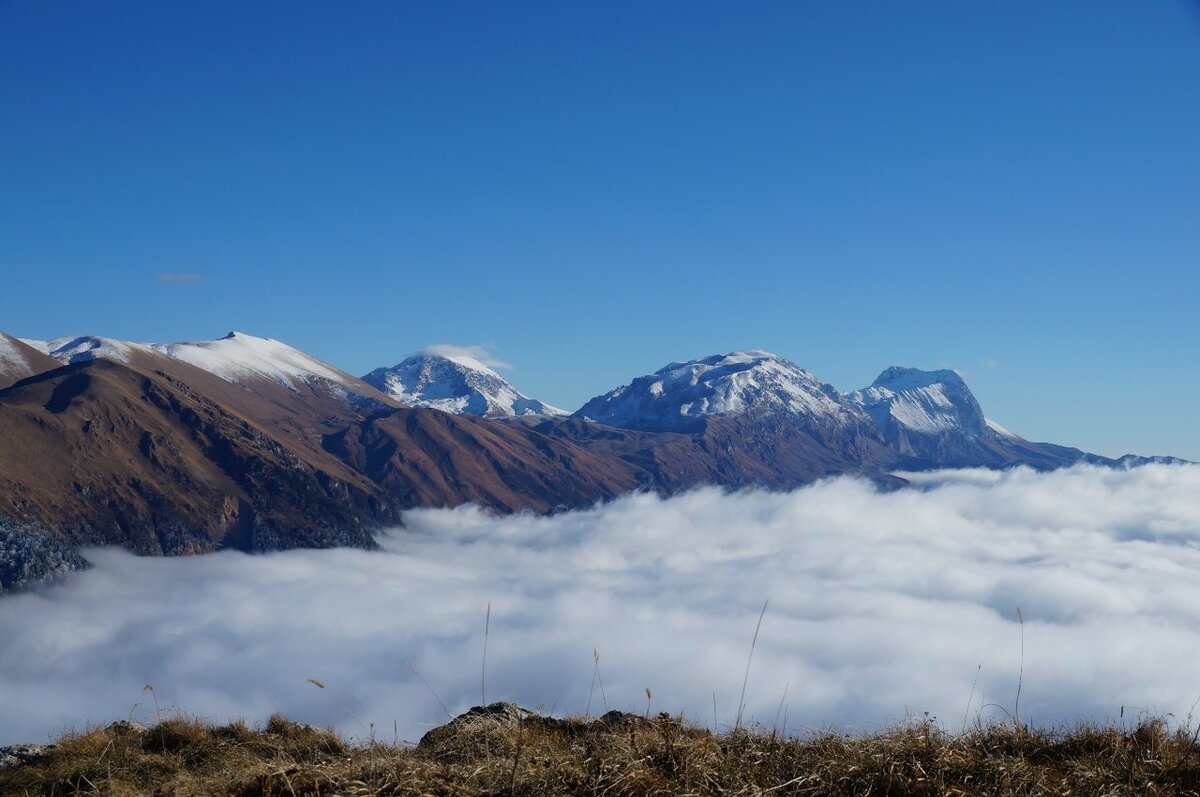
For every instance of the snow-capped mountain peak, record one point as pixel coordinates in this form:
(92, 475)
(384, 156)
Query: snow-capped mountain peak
(86, 347)
(241, 358)
(238, 358)
(751, 381)
(927, 402)
(932, 415)
(455, 383)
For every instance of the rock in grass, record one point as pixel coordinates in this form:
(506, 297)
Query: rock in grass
(490, 716)
(128, 728)
(18, 755)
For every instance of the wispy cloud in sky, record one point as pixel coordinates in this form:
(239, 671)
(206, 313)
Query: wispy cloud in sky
(179, 278)
(881, 605)
(481, 353)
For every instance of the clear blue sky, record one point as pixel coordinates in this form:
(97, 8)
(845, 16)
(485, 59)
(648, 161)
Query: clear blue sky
(1012, 189)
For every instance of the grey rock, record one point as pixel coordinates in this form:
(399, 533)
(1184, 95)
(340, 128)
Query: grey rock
(18, 755)
(493, 715)
(622, 718)
(128, 727)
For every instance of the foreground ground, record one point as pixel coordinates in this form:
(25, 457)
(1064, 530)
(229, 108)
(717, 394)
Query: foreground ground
(503, 750)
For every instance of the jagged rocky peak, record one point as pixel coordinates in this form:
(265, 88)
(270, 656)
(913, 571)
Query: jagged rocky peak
(456, 383)
(748, 382)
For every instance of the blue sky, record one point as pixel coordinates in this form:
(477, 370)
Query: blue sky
(1012, 189)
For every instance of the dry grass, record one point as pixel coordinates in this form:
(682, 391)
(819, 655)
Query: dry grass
(628, 756)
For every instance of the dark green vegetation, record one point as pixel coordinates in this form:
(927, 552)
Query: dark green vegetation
(503, 750)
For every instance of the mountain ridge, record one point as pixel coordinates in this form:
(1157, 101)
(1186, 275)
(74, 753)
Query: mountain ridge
(248, 443)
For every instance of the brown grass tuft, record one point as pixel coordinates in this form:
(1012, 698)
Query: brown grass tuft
(621, 755)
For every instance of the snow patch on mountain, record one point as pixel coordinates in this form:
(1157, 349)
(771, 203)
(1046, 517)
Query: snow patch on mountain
(927, 402)
(238, 358)
(909, 401)
(83, 348)
(13, 363)
(751, 381)
(1000, 430)
(455, 382)
(242, 358)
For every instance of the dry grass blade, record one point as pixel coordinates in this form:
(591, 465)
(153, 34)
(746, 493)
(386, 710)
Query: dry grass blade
(746, 680)
(487, 627)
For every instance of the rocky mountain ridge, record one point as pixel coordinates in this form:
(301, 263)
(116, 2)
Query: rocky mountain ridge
(247, 443)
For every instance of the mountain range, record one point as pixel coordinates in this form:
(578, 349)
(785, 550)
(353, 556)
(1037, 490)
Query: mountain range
(247, 443)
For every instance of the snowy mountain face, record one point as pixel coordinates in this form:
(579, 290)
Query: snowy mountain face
(241, 358)
(456, 384)
(929, 402)
(14, 363)
(753, 382)
(87, 347)
(238, 358)
(924, 413)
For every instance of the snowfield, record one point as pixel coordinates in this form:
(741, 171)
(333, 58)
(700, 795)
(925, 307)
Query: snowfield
(882, 606)
(237, 357)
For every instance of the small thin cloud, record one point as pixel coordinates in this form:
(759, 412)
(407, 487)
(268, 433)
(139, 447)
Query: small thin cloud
(178, 278)
(990, 363)
(481, 353)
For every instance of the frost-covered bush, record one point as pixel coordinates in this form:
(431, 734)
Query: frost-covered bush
(29, 554)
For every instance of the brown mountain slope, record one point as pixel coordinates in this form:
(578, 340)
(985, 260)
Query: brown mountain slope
(431, 458)
(165, 458)
(19, 361)
(103, 453)
(297, 418)
(730, 452)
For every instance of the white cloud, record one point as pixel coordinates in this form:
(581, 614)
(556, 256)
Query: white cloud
(881, 604)
(481, 353)
(179, 278)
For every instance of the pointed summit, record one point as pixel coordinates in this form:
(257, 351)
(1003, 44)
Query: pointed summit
(926, 402)
(455, 383)
(934, 416)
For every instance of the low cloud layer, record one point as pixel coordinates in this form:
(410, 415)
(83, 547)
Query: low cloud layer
(882, 606)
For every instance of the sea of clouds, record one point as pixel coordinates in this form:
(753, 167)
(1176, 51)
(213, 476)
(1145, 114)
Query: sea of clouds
(883, 606)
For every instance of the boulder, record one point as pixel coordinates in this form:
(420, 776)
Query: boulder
(18, 755)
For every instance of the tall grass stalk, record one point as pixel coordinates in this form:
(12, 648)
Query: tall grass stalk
(745, 680)
(779, 710)
(153, 694)
(596, 679)
(487, 627)
(1021, 671)
(971, 697)
(413, 670)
